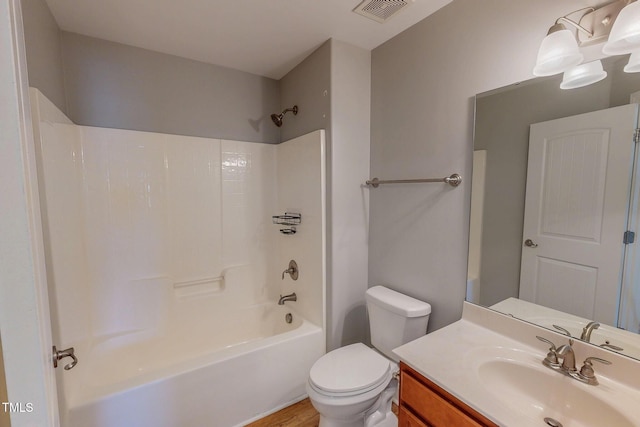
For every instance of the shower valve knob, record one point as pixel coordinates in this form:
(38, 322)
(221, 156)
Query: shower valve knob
(292, 270)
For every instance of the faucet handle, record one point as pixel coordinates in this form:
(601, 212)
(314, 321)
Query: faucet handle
(551, 359)
(563, 330)
(587, 373)
(588, 360)
(553, 346)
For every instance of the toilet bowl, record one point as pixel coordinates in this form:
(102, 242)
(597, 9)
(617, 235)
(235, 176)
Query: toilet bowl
(347, 383)
(353, 386)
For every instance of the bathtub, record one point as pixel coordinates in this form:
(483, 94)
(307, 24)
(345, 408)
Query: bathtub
(188, 376)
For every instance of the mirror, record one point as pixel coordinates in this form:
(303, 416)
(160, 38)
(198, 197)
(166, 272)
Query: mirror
(499, 188)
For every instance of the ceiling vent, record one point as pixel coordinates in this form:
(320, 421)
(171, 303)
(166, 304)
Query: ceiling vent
(380, 10)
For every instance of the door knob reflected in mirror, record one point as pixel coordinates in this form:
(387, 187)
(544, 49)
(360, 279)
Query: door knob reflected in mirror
(529, 243)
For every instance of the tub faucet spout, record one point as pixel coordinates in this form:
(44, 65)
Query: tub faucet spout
(290, 297)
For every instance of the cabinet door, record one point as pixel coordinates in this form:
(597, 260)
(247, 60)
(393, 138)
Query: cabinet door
(432, 407)
(423, 403)
(407, 419)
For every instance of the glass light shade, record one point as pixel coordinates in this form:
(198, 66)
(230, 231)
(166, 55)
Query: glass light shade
(558, 52)
(634, 63)
(583, 75)
(625, 33)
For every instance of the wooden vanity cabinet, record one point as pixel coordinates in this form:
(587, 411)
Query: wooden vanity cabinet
(424, 404)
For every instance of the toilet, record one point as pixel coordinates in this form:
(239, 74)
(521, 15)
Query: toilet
(353, 386)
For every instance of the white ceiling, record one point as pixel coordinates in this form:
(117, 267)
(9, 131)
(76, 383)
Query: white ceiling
(264, 37)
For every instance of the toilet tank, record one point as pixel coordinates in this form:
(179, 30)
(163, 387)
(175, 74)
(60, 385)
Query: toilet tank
(395, 319)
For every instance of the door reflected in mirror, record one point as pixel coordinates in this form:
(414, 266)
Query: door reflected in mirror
(552, 197)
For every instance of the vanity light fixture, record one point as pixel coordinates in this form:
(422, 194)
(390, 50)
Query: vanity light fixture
(558, 52)
(583, 75)
(625, 33)
(634, 63)
(618, 21)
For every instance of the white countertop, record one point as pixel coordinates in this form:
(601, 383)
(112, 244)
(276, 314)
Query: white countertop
(448, 357)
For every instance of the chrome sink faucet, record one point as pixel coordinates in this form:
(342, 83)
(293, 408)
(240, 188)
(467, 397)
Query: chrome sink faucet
(568, 365)
(565, 352)
(586, 331)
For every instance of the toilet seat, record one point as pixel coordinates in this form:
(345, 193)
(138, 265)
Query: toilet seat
(348, 371)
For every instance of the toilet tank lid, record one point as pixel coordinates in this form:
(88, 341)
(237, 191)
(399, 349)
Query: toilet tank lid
(396, 302)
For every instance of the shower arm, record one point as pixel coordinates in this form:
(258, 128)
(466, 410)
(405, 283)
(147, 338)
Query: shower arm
(293, 109)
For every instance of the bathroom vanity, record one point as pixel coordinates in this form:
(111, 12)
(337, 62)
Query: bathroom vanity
(422, 403)
(486, 370)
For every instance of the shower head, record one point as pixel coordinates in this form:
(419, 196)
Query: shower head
(277, 118)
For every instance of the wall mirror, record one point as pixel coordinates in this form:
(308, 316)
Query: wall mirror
(554, 192)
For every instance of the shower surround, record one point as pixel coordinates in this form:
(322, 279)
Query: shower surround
(164, 271)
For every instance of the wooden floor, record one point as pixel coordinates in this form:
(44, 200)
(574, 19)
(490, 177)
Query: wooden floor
(301, 414)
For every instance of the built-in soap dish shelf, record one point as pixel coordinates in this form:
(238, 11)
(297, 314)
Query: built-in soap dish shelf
(199, 287)
(290, 220)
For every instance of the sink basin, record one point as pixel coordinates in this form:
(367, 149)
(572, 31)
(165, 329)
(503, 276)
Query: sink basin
(520, 381)
(539, 394)
(493, 364)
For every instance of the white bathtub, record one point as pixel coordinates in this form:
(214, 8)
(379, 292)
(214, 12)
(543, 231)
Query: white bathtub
(222, 369)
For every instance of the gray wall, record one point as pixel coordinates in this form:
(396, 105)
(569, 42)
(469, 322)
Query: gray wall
(100, 83)
(308, 86)
(332, 88)
(349, 209)
(117, 86)
(423, 84)
(502, 128)
(44, 51)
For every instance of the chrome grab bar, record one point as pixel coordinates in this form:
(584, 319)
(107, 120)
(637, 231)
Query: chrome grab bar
(453, 180)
